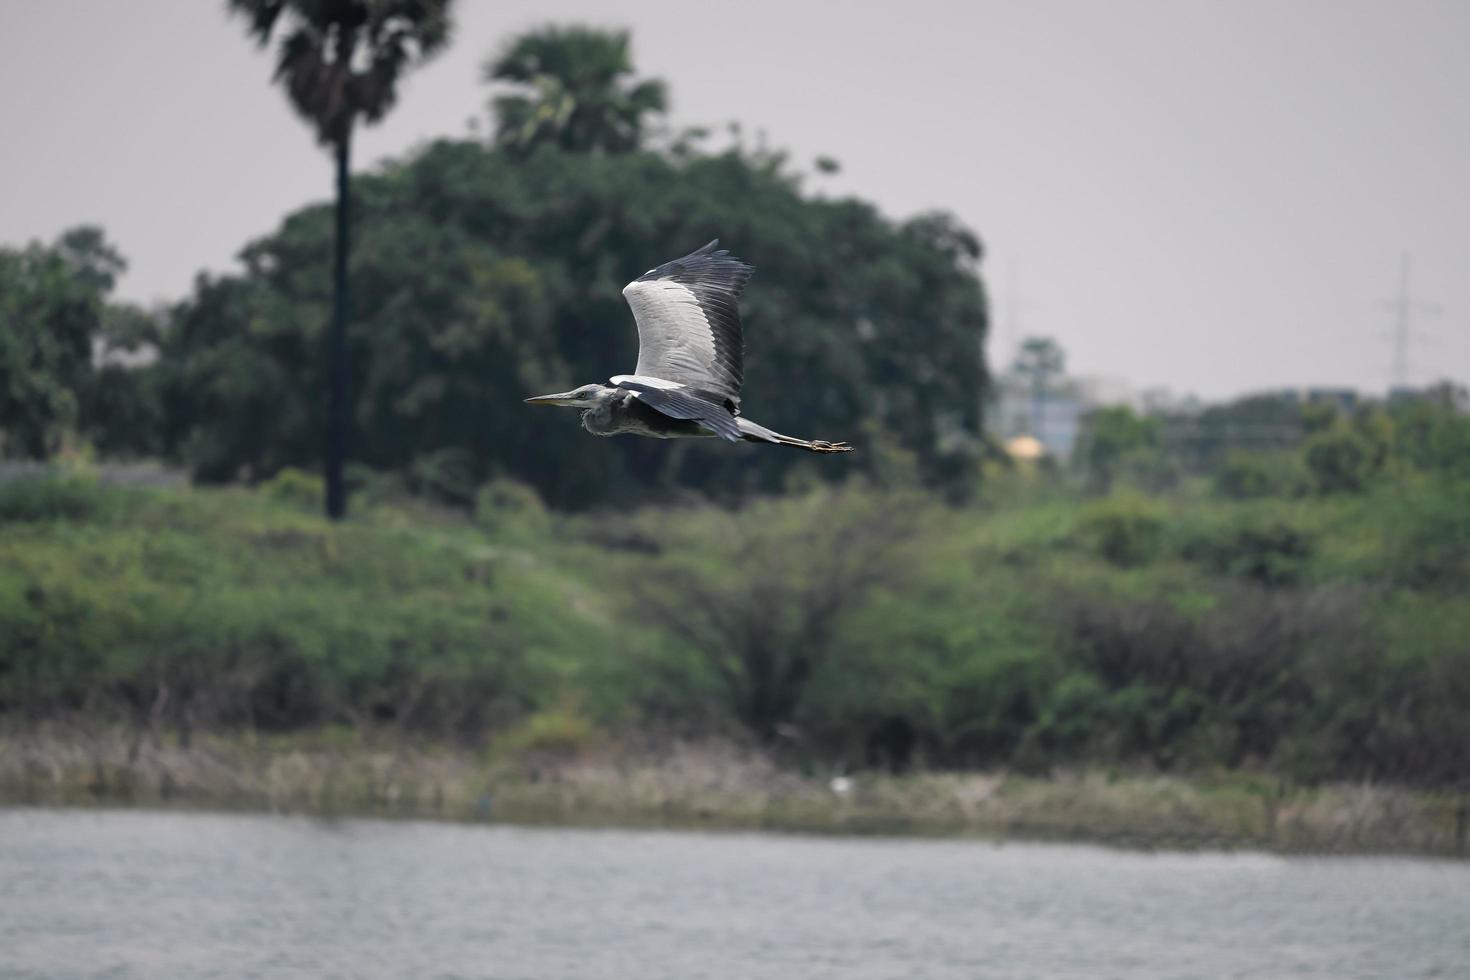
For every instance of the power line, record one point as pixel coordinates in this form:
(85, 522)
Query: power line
(1404, 306)
(1010, 334)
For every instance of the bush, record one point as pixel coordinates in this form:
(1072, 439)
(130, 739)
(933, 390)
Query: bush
(293, 486)
(1272, 554)
(506, 505)
(1172, 687)
(52, 497)
(445, 475)
(1346, 459)
(841, 625)
(560, 730)
(1115, 439)
(759, 596)
(1427, 535)
(210, 609)
(1249, 476)
(1124, 530)
(1431, 434)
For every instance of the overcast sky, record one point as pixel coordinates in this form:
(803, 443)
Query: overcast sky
(1207, 196)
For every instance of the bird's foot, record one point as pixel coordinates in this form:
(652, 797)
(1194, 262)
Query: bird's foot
(822, 446)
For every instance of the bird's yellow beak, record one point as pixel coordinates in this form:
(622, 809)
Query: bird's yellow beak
(561, 398)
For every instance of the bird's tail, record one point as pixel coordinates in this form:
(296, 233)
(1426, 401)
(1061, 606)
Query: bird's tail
(755, 432)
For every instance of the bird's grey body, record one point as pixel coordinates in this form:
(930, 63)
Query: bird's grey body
(690, 360)
(619, 412)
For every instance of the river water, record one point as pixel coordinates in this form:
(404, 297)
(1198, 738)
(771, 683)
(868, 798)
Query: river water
(122, 894)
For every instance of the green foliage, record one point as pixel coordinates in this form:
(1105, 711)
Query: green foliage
(561, 729)
(1040, 360)
(294, 486)
(1254, 424)
(1426, 535)
(445, 475)
(52, 312)
(1110, 439)
(122, 411)
(94, 260)
(506, 506)
(1272, 553)
(1126, 530)
(51, 497)
(64, 377)
(759, 595)
(196, 609)
(1317, 638)
(1346, 458)
(1252, 475)
(482, 278)
(575, 92)
(1431, 433)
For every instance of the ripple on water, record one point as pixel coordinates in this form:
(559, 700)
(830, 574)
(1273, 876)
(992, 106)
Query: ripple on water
(170, 895)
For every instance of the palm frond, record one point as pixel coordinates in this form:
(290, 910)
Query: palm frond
(581, 83)
(322, 41)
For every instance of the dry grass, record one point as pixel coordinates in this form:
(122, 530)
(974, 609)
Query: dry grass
(710, 784)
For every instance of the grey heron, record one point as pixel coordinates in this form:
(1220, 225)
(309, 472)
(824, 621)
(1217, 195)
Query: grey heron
(690, 353)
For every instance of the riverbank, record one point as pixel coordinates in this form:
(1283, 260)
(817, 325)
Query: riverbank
(714, 784)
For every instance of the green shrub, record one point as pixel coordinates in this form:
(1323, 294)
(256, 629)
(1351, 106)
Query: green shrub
(1431, 434)
(293, 486)
(559, 730)
(1113, 440)
(1427, 535)
(1070, 720)
(843, 625)
(1251, 475)
(445, 475)
(1273, 553)
(1347, 458)
(505, 505)
(1125, 530)
(52, 497)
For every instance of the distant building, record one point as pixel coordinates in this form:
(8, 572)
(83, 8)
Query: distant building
(1025, 447)
(1052, 418)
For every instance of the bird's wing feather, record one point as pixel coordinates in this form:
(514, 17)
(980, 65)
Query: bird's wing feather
(680, 403)
(689, 321)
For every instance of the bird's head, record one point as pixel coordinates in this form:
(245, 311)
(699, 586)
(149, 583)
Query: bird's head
(587, 396)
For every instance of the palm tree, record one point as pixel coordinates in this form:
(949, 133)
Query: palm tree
(581, 94)
(339, 61)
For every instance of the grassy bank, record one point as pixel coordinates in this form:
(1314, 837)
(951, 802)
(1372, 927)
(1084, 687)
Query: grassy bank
(715, 784)
(1300, 642)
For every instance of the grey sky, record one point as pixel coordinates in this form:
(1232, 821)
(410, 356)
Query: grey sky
(1209, 196)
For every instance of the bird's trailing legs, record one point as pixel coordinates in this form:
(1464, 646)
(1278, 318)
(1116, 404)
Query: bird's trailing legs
(812, 445)
(755, 432)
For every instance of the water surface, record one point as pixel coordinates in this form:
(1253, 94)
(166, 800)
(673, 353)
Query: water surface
(157, 895)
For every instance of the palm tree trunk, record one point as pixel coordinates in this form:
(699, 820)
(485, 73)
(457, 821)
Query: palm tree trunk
(339, 415)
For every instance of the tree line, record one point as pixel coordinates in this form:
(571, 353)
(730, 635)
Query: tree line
(483, 271)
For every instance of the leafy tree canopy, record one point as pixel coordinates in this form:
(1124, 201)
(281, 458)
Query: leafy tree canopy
(574, 89)
(485, 275)
(56, 327)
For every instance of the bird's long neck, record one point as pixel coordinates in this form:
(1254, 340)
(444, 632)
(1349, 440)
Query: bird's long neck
(601, 419)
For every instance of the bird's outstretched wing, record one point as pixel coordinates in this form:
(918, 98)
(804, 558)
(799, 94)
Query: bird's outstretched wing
(689, 323)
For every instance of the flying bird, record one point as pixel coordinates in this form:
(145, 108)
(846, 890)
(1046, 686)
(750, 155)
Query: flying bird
(690, 353)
